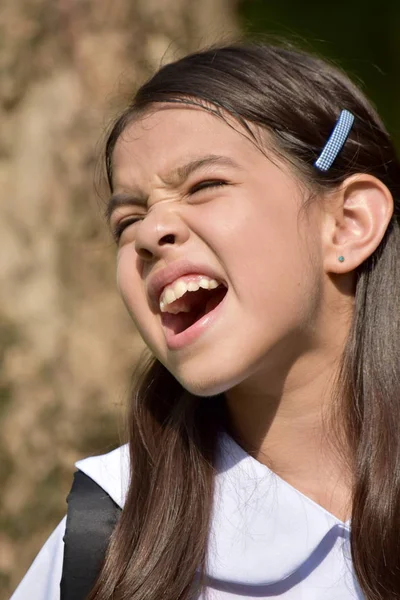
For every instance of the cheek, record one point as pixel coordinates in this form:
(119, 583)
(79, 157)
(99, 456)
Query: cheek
(271, 261)
(130, 284)
(258, 239)
(131, 288)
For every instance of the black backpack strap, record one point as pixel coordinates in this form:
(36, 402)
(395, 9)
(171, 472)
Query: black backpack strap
(91, 518)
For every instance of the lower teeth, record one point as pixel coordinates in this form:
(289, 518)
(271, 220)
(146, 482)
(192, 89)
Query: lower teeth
(183, 320)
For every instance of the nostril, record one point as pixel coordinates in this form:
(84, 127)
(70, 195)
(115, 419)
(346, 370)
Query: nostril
(167, 239)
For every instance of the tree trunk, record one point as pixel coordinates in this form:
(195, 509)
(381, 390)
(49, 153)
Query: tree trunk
(67, 346)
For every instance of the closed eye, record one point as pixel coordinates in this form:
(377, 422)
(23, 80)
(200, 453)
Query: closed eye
(211, 183)
(120, 227)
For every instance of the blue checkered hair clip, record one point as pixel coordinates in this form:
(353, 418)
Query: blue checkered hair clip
(336, 141)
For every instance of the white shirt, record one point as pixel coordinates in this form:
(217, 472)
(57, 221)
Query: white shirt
(267, 540)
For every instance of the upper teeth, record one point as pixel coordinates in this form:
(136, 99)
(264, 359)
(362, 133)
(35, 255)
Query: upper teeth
(177, 289)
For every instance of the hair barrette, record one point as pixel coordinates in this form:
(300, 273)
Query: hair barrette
(336, 141)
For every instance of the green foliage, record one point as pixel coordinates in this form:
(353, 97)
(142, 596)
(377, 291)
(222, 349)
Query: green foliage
(362, 38)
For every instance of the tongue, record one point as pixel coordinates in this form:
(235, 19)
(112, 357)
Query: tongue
(195, 305)
(177, 323)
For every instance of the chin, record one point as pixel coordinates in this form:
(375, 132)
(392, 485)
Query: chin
(203, 389)
(206, 384)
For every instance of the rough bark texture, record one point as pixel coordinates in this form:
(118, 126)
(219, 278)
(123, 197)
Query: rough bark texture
(66, 344)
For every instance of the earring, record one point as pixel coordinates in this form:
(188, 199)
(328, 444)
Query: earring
(341, 258)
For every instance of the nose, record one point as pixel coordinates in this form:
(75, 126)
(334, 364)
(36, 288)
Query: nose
(158, 231)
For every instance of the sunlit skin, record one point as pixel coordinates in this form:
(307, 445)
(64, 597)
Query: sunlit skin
(274, 347)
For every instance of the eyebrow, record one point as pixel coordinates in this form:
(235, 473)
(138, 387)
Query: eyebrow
(177, 177)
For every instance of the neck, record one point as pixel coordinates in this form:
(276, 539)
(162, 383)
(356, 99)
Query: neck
(291, 431)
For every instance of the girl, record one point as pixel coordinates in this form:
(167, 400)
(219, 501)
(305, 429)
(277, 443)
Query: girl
(255, 206)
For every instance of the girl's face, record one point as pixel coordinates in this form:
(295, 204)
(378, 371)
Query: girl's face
(194, 199)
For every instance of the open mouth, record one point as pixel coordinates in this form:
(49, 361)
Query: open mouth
(191, 307)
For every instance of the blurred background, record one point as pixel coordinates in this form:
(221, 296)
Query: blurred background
(67, 347)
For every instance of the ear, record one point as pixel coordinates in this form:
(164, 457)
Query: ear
(355, 220)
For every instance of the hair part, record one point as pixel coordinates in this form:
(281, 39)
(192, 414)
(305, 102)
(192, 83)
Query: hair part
(159, 547)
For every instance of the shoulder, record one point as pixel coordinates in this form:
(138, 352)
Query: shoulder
(42, 581)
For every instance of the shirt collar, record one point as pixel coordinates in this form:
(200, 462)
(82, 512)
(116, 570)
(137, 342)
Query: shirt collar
(263, 531)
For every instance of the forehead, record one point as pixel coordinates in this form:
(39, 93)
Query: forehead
(163, 138)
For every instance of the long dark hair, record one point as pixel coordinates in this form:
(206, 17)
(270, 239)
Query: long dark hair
(158, 549)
